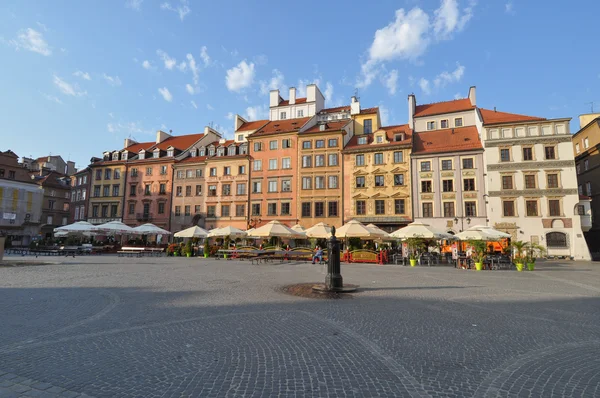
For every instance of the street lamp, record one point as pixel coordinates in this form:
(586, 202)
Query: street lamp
(462, 220)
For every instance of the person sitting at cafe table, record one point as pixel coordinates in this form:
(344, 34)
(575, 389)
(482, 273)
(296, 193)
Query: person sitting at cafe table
(318, 254)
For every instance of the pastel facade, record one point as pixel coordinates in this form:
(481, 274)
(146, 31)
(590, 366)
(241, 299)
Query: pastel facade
(80, 190)
(55, 202)
(188, 208)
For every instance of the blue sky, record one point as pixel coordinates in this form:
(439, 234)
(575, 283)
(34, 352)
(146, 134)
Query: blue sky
(80, 76)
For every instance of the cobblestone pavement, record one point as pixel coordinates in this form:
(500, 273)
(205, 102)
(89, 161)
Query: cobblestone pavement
(174, 327)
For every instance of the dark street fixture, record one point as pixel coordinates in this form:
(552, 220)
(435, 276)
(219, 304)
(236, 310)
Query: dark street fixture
(462, 220)
(333, 280)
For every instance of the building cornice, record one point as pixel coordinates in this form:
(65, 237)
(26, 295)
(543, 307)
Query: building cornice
(533, 192)
(530, 165)
(519, 123)
(549, 139)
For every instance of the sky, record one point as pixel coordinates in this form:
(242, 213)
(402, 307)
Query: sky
(78, 77)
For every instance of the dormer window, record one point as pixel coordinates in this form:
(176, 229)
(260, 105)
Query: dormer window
(399, 137)
(243, 150)
(202, 151)
(115, 156)
(142, 154)
(362, 140)
(379, 139)
(156, 153)
(283, 115)
(231, 151)
(124, 155)
(193, 153)
(220, 152)
(170, 152)
(211, 151)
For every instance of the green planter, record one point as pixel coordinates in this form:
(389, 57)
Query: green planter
(519, 266)
(413, 263)
(176, 254)
(530, 266)
(478, 266)
(188, 254)
(205, 255)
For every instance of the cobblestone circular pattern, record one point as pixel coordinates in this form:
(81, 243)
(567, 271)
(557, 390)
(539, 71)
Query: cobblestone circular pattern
(306, 290)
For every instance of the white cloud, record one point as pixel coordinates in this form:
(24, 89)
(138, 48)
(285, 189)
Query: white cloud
(508, 7)
(190, 89)
(275, 83)
(134, 4)
(458, 96)
(425, 87)
(83, 75)
(258, 59)
(42, 26)
(112, 80)
(328, 94)
(391, 82)
(67, 88)
(448, 18)
(446, 78)
(32, 40)
(384, 113)
(169, 62)
(182, 66)
(111, 128)
(194, 104)
(193, 67)
(239, 77)
(230, 115)
(205, 57)
(210, 107)
(112, 116)
(166, 94)
(256, 112)
(182, 8)
(146, 64)
(128, 128)
(52, 98)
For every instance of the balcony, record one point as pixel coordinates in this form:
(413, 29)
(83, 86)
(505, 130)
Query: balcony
(144, 217)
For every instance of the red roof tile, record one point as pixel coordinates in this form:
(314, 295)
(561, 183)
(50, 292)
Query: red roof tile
(447, 140)
(281, 126)
(194, 159)
(494, 117)
(369, 110)
(443, 107)
(390, 132)
(287, 102)
(336, 109)
(255, 125)
(181, 142)
(329, 126)
(135, 148)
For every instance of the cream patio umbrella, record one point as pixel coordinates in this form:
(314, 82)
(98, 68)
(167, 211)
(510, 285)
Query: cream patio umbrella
(192, 232)
(320, 230)
(490, 231)
(298, 228)
(355, 229)
(420, 230)
(477, 234)
(78, 227)
(380, 232)
(114, 228)
(275, 228)
(149, 229)
(232, 232)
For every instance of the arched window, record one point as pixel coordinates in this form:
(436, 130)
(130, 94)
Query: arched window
(556, 239)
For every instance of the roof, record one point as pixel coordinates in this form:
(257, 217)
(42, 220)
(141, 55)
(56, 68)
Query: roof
(255, 125)
(287, 102)
(193, 159)
(281, 126)
(438, 108)
(181, 142)
(495, 117)
(447, 140)
(368, 111)
(390, 133)
(345, 108)
(329, 126)
(135, 148)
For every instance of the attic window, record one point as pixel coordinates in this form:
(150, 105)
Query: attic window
(202, 151)
(399, 137)
(362, 140)
(220, 152)
(211, 151)
(156, 153)
(124, 155)
(231, 150)
(193, 153)
(142, 154)
(243, 149)
(115, 156)
(170, 152)
(379, 139)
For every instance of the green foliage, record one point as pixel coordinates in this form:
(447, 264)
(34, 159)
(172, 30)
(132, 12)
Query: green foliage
(533, 251)
(206, 248)
(188, 248)
(415, 244)
(519, 246)
(479, 250)
(354, 243)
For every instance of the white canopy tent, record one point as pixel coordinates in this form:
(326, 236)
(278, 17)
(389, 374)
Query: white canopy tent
(149, 229)
(320, 230)
(420, 230)
(232, 232)
(192, 232)
(114, 228)
(276, 228)
(490, 231)
(79, 227)
(355, 229)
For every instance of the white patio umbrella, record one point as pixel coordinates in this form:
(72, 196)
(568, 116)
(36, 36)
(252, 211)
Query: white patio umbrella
(490, 230)
(249, 232)
(114, 227)
(275, 228)
(149, 229)
(298, 228)
(355, 229)
(77, 227)
(420, 230)
(320, 230)
(380, 232)
(192, 232)
(477, 234)
(226, 231)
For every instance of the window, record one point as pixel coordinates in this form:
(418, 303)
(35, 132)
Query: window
(211, 211)
(426, 186)
(240, 210)
(49, 220)
(399, 206)
(242, 170)
(447, 185)
(379, 181)
(530, 181)
(95, 210)
(212, 190)
(332, 209)
(202, 151)
(212, 172)
(306, 144)
(586, 143)
(430, 125)
(117, 173)
(257, 165)
(272, 164)
(257, 146)
(427, 209)
(398, 157)
(256, 209)
(51, 204)
(306, 209)
(532, 208)
(286, 143)
(586, 164)
(319, 209)
(508, 208)
(379, 139)
(446, 164)
(85, 179)
(282, 115)
(272, 209)
(187, 210)
(507, 182)
(272, 186)
(362, 140)
(98, 174)
(256, 187)
(189, 173)
(554, 207)
(527, 153)
(426, 166)
(241, 188)
(115, 190)
(106, 190)
(550, 152)
(333, 159)
(319, 160)
(580, 189)
(449, 209)
(552, 180)
(107, 174)
(360, 182)
(578, 168)
(285, 209)
(198, 190)
(306, 182)
(188, 190)
(444, 124)
(505, 155)
(380, 207)
(471, 209)
(104, 211)
(398, 179)
(360, 160)
(458, 122)
(319, 182)
(131, 208)
(469, 184)
(378, 158)
(179, 191)
(226, 190)
(306, 161)
(96, 191)
(300, 113)
(556, 240)
(225, 210)
(180, 174)
(332, 142)
(361, 207)
(148, 171)
(156, 153)
(227, 170)
(368, 129)
(197, 209)
(134, 172)
(286, 185)
(163, 171)
(273, 145)
(588, 188)
(83, 193)
(467, 163)
(580, 210)
(333, 182)
(320, 144)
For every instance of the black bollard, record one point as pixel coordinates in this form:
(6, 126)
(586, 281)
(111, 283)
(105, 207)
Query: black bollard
(333, 280)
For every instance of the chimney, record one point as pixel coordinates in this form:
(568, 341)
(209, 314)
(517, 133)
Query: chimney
(311, 93)
(274, 98)
(238, 122)
(292, 95)
(472, 96)
(354, 106)
(222, 140)
(129, 142)
(412, 106)
(161, 136)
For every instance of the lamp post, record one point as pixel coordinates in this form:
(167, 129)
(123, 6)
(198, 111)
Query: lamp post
(462, 222)
(333, 280)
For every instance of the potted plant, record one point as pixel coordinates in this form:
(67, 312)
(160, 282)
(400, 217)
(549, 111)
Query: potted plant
(519, 247)
(188, 249)
(479, 253)
(413, 258)
(414, 245)
(206, 249)
(532, 248)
